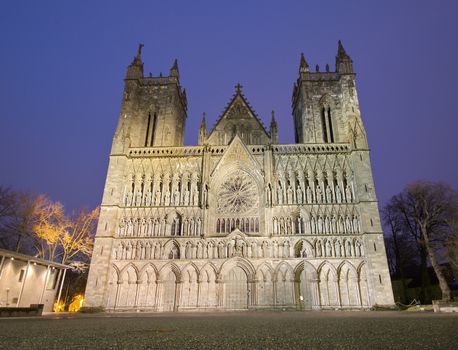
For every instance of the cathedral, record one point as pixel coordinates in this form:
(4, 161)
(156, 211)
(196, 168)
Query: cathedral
(239, 221)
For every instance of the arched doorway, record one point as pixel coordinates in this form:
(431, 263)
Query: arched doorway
(303, 290)
(236, 289)
(169, 295)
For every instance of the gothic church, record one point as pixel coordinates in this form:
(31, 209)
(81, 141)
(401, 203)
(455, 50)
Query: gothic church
(239, 221)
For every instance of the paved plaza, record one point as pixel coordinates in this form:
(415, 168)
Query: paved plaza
(247, 330)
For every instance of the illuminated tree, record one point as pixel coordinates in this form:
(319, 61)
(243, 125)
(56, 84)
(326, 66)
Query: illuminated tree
(77, 239)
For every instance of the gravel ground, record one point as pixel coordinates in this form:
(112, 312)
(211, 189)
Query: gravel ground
(248, 330)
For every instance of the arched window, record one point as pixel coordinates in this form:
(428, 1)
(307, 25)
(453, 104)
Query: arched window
(174, 252)
(218, 226)
(331, 132)
(148, 125)
(323, 125)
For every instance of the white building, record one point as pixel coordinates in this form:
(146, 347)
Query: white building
(239, 221)
(26, 280)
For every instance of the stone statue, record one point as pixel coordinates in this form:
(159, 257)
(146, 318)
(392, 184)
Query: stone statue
(333, 224)
(176, 197)
(157, 198)
(139, 197)
(348, 225)
(205, 196)
(319, 194)
(348, 194)
(320, 224)
(338, 194)
(195, 199)
(328, 249)
(309, 195)
(290, 195)
(128, 199)
(338, 248)
(279, 195)
(328, 195)
(355, 224)
(299, 195)
(268, 196)
(167, 198)
(186, 197)
(148, 198)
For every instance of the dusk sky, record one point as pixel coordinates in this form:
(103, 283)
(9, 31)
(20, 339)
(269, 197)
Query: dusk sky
(63, 64)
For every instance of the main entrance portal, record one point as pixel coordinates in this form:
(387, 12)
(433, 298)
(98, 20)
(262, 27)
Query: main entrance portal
(236, 289)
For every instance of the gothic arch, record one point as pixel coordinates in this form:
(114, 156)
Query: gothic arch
(327, 100)
(208, 267)
(131, 270)
(168, 248)
(147, 287)
(265, 285)
(190, 266)
(328, 282)
(170, 266)
(305, 277)
(363, 284)
(244, 264)
(113, 286)
(305, 265)
(284, 284)
(348, 285)
(303, 249)
(146, 269)
(127, 287)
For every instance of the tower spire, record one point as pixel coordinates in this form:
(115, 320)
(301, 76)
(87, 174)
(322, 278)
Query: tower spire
(203, 130)
(344, 64)
(174, 71)
(135, 69)
(273, 129)
(303, 66)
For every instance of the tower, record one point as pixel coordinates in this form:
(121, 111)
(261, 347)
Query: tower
(325, 104)
(326, 113)
(153, 109)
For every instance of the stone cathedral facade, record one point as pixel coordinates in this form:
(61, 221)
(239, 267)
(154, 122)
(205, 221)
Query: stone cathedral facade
(239, 221)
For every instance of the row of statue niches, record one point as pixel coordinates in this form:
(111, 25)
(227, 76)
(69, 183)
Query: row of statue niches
(161, 198)
(316, 225)
(313, 195)
(330, 248)
(158, 227)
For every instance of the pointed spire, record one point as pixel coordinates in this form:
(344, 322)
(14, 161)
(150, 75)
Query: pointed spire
(273, 119)
(203, 124)
(139, 51)
(273, 129)
(341, 51)
(174, 71)
(135, 69)
(202, 130)
(344, 64)
(304, 66)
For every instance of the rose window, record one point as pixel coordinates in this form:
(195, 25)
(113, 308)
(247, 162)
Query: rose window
(238, 194)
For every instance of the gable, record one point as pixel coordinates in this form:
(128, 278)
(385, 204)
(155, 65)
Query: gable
(237, 156)
(238, 119)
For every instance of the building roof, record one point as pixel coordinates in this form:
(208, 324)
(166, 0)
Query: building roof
(239, 93)
(25, 257)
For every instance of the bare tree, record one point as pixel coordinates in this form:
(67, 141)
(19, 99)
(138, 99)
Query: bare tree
(77, 240)
(426, 210)
(49, 225)
(7, 205)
